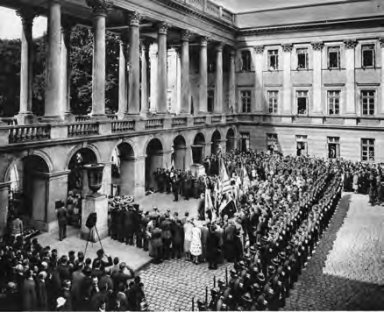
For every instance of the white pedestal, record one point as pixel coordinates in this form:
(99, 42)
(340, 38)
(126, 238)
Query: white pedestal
(197, 170)
(98, 204)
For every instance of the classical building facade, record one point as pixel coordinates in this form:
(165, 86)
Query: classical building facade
(193, 76)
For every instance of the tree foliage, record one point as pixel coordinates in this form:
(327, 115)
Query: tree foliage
(81, 58)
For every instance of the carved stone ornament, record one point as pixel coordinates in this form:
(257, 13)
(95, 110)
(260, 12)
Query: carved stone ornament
(287, 47)
(27, 15)
(163, 28)
(185, 35)
(134, 19)
(350, 44)
(100, 6)
(204, 41)
(259, 49)
(317, 46)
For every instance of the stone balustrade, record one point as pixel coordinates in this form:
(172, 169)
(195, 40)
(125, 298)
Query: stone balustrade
(81, 118)
(112, 116)
(154, 124)
(229, 118)
(20, 134)
(123, 126)
(179, 122)
(10, 121)
(83, 129)
(201, 120)
(216, 119)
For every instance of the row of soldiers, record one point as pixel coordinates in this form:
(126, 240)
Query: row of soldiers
(263, 278)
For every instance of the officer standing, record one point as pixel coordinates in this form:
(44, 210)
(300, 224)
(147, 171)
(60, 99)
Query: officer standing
(62, 216)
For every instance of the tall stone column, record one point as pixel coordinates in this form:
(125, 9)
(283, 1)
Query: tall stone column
(185, 82)
(123, 87)
(317, 48)
(232, 82)
(53, 105)
(351, 79)
(140, 176)
(26, 72)
(219, 79)
(259, 50)
(67, 26)
(153, 55)
(134, 64)
(144, 78)
(287, 88)
(382, 76)
(178, 81)
(162, 81)
(203, 87)
(99, 11)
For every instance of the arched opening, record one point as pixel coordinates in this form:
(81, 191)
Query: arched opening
(179, 154)
(28, 191)
(198, 149)
(153, 161)
(216, 138)
(230, 145)
(123, 170)
(78, 186)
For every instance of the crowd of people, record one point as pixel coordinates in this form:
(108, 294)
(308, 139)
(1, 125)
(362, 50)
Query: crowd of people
(36, 278)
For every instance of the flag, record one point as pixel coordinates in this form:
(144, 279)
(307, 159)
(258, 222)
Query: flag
(224, 179)
(246, 180)
(209, 204)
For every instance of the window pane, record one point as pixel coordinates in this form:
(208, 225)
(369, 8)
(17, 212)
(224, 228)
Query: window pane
(333, 57)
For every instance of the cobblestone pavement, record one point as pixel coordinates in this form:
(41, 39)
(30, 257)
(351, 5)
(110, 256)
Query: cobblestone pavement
(346, 272)
(170, 286)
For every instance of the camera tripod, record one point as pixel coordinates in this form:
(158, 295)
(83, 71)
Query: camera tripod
(90, 235)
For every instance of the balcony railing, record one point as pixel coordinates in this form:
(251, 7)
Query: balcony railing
(230, 118)
(82, 118)
(112, 116)
(179, 122)
(154, 124)
(199, 120)
(10, 121)
(20, 134)
(83, 129)
(216, 119)
(123, 126)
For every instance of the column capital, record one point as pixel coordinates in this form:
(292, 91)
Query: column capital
(185, 35)
(317, 46)
(350, 44)
(100, 7)
(219, 47)
(162, 28)
(27, 15)
(134, 19)
(287, 47)
(259, 49)
(204, 41)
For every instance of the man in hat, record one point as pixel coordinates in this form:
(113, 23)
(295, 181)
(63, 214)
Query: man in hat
(62, 218)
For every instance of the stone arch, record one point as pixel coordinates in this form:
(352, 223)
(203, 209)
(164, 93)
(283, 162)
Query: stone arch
(154, 160)
(216, 140)
(151, 138)
(29, 177)
(230, 137)
(123, 169)
(178, 157)
(198, 148)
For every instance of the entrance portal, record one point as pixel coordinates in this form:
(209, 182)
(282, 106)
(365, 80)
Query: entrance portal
(198, 149)
(153, 161)
(180, 148)
(216, 138)
(230, 145)
(123, 169)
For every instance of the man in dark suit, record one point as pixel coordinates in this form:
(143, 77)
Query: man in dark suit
(212, 248)
(62, 215)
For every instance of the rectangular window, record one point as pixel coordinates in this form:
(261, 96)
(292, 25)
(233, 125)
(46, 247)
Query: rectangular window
(211, 100)
(301, 145)
(368, 102)
(245, 60)
(302, 102)
(302, 58)
(246, 101)
(245, 141)
(333, 57)
(368, 150)
(272, 142)
(333, 147)
(273, 59)
(333, 102)
(368, 55)
(273, 97)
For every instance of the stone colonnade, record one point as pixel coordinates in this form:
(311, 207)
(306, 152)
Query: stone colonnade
(133, 78)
